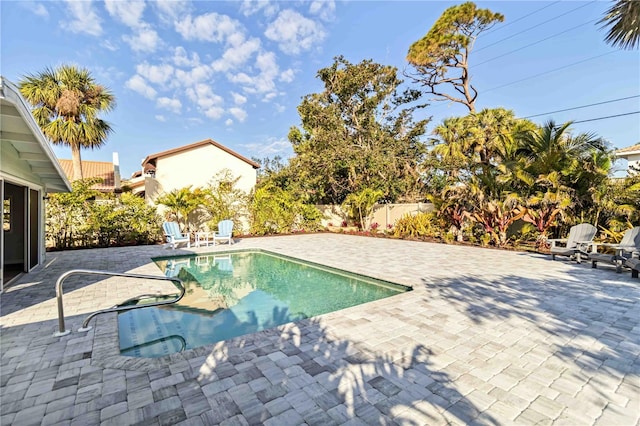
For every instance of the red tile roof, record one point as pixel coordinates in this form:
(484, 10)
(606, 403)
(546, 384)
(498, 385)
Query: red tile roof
(198, 145)
(101, 169)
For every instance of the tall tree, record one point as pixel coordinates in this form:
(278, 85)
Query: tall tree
(66, 102)
(358, 133)
(623, 20)
(441, 57)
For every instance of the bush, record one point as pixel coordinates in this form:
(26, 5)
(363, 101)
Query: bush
(276, 211)
(419, 225)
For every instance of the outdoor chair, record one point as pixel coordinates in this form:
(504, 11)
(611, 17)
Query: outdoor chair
(627, 248)
(224, 232)
(634, 265)
(576, 244)
(174, 236)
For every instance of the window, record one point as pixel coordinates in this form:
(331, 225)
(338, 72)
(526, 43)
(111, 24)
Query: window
(6, 215)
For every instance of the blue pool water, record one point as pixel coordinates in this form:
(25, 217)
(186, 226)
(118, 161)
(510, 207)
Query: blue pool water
(238, 293)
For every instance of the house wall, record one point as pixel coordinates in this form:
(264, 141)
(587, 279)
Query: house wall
(198, 166)
(634, 161)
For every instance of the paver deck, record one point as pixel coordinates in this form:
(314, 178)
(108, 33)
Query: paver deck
(486, 337)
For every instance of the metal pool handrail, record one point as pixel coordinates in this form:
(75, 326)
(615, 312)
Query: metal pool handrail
(61, 328)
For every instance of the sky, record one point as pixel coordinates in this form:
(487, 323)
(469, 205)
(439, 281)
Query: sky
(235, 72)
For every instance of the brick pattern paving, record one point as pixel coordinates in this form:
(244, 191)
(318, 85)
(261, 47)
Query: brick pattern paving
(485, 337)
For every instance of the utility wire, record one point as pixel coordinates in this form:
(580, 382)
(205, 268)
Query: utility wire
(608, 116)
(518, 20)
(584, 106)
(535, 26)
(548, 72)
(536, 42)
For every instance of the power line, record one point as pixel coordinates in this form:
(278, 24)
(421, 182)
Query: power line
(584, 106)
(519, 19)
(535, 26)
(548, 72)
(536, 42)
(608, 116)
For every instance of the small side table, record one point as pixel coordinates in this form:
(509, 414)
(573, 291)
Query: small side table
(203, 238)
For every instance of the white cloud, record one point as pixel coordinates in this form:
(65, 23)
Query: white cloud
(158, 74)
(324, 9)
(250, 7)
(236, 55)
(294, 33)
(263, 82)
(38, 9)
(197, 74)
(280, 107)
(228, 122)
(138, 84)
(208, 102)
(275, 146)
(145, 40)
(169, 10)
(109, 45)
(83, 18)
(172, 104)
(238, 113)
(161, 118)
(181, 58)
(129, 12)
(238, 98)
(208, 27)
(287, 76)
(269, 96)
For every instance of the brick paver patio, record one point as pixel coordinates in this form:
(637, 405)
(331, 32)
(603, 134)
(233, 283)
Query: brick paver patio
(486, 337)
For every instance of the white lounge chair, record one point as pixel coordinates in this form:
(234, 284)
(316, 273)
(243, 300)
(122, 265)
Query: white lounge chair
(629, 247)
(174, 236)
(576, 244)
(224, 233)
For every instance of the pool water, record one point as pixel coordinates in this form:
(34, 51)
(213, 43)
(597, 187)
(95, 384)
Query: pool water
(236, 293)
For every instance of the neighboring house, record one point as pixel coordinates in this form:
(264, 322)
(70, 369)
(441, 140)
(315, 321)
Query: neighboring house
(632, 155)
(28, 171)
(108, 172)
(192, 165)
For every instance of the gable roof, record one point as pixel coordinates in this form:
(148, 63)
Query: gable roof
(91, 169)
(189, 147)
(633, 149)
(19, 129)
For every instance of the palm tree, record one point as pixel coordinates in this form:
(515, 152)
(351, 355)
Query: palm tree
(66, 103)
(623, 20)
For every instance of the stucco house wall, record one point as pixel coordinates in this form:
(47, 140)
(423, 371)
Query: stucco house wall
(632, 155)
(198, 166)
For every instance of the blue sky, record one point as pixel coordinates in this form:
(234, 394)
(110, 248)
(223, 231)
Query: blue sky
(235, 72)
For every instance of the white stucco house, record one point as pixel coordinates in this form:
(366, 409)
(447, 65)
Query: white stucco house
(192, 165)
(632, 155)
(28, 171)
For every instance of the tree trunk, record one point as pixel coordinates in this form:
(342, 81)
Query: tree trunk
(77, 161)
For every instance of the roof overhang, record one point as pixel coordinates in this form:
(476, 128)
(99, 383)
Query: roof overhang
(19, 128)
(625, 154)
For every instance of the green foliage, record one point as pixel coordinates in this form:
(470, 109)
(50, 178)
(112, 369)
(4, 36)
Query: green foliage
(355, 135)
(441, 57)
(276, 211)
(360, 204)
(182, 203)
(67, 101)
(624, 24)
(75, 219)
(418, 225)
(223, 200)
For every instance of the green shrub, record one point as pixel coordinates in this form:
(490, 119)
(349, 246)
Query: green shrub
(419, 225)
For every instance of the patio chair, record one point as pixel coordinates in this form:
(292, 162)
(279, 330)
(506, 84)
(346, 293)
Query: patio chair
(628, 247)
(634, 265)
(576, 244)
(174, 236)
(224, 233)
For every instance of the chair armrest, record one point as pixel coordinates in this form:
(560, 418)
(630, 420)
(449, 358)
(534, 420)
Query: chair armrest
(587, 244)
(554, 241)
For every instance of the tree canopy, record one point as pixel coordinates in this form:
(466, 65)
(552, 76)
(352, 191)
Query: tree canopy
(67, 101)
(358, 133)
(623, 21)
(441, 57)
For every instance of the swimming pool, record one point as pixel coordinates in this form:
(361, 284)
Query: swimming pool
(231, 294)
